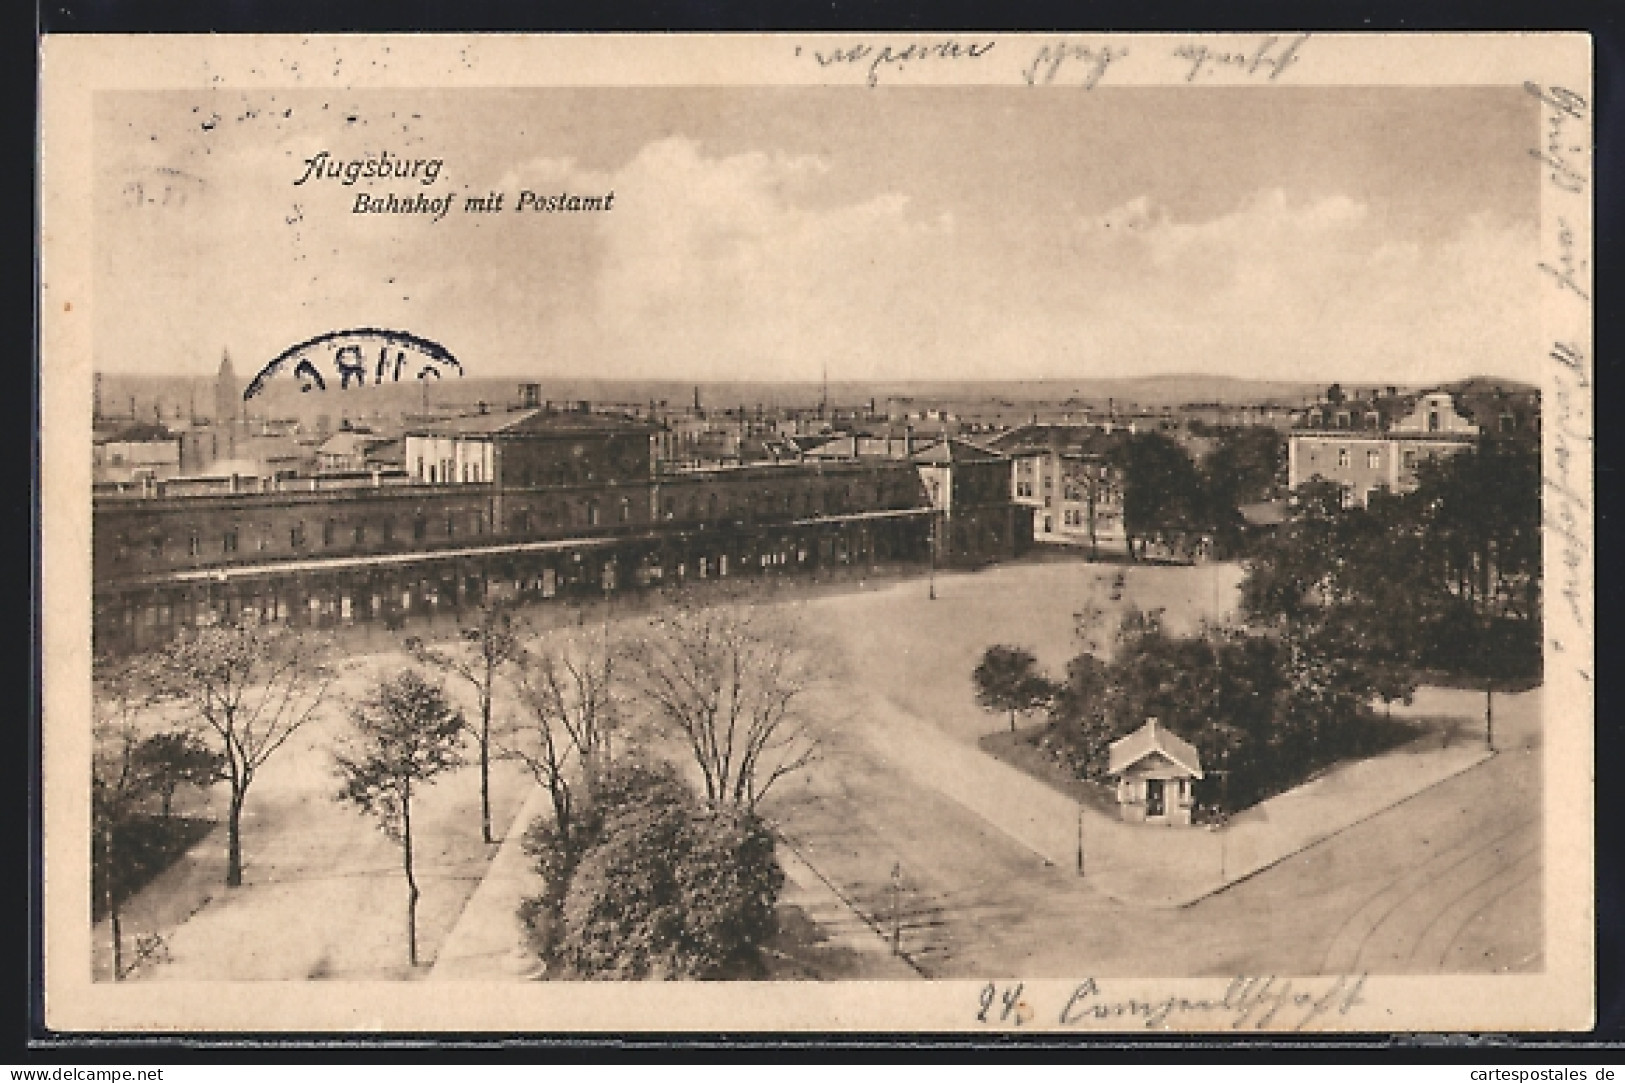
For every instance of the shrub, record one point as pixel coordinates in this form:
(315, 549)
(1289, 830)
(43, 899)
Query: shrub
(653, 884)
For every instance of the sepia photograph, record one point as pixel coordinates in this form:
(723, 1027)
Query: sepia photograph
(951, 531)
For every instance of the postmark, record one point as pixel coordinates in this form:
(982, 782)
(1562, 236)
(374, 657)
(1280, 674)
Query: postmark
(356, 358)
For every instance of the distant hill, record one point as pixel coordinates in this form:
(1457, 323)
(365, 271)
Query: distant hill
(1490, 385)
(165, 398)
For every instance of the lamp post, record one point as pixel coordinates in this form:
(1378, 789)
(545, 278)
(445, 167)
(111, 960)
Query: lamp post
(1219, 829)
(897, 908)
(933, 589)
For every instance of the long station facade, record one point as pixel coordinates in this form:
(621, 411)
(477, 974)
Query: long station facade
(531, 504)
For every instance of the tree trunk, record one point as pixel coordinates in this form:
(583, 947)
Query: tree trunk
(1489, 713)
(110, 898)
(411, 880)
(485, 766)
(1012, 720)
(234, 839)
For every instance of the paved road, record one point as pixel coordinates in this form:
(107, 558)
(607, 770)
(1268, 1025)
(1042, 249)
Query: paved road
(1445, 882)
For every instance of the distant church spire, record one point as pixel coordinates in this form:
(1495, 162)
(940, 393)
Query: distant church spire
(227, 398)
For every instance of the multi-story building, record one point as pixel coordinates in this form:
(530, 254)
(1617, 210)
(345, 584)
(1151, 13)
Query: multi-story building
(1065, 474)
(533, 503)
(1376, 444)
(970, 486)
(138, 456)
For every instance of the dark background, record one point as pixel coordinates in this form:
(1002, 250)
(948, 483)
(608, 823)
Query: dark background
(25, 1040)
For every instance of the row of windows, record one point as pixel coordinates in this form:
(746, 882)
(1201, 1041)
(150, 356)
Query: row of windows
(383, 530)
(1373, 458)
(526, 519)
(446, 470)
(332, 534)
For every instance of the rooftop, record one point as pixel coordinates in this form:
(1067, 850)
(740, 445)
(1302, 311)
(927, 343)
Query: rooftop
(1151, 739)
(956, 450)
(533, 421)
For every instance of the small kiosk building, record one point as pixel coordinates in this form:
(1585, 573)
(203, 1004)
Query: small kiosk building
(1156, 771)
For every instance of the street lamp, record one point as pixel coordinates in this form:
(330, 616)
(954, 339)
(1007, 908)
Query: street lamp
(897, 908)
(933, 590)
(1219, 829)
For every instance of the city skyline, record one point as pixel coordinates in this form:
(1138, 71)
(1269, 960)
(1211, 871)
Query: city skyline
(766, 235)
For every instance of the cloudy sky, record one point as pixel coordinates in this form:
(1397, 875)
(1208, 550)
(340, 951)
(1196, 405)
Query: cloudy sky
(1380, 235)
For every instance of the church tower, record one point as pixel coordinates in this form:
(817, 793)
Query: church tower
(227, 398)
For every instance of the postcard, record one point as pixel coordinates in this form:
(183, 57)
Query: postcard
(951, 532)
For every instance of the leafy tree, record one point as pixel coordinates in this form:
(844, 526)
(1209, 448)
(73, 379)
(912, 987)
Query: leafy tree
(730, 682)
(1482, 519)
(1248, 465)
(406, 735)
(175, 758)
(486, 648)
(1263, 710)
(1445, 577)
(254, 686)
(670, 887)
(1007, 679)
(1081, 726)
(1163, 497)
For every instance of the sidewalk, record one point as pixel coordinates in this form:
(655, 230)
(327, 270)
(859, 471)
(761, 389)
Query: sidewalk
(488, 942)
(839, 925)
(1152, 865)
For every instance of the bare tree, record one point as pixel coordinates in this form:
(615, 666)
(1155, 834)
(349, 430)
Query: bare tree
(254, 686)
(117, 786)
(406, 733)
(730, 680)
(568, 689)
(485, 649)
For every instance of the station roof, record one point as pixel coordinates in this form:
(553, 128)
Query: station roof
(533, 422)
